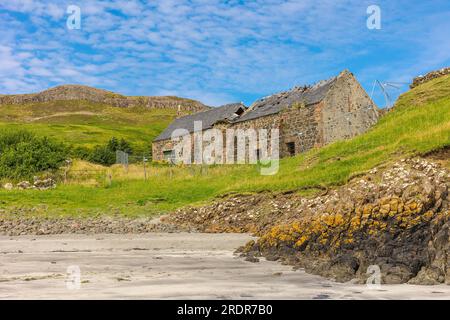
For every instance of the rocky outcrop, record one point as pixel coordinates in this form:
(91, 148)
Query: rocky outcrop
(78, 92)
(396, 218)
(429, 76)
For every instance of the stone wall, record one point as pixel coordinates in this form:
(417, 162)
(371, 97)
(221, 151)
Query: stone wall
(300, 124)
(158, 148)
(295, 125)
(347, 110)
(429, 76)
(268, 123)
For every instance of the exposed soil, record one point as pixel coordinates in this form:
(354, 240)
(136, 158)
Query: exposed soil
(63, 114)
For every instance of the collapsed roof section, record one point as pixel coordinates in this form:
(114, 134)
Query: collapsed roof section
(208, 118)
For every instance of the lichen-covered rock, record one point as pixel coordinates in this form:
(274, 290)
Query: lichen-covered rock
(402, 227)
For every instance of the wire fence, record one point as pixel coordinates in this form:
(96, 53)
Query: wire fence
(131, 167)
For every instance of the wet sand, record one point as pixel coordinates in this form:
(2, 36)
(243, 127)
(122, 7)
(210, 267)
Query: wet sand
(166, 266)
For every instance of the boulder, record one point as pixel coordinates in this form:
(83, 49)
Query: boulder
(8, 186)
(44, 184)
(24, 185)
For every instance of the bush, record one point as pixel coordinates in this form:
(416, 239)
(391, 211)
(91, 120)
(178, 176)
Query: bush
(103, 155)
(106, 155)
(80, 153)
(23, 154)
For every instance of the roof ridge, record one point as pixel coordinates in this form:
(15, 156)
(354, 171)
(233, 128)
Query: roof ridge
(212, 109)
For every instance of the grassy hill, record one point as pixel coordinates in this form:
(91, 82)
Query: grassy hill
(84, 116)
(84, 123)
(418, 124)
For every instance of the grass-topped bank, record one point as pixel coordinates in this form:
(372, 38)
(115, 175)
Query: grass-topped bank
(418, 124)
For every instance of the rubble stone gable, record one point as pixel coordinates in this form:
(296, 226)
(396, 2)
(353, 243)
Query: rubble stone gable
(348, 110)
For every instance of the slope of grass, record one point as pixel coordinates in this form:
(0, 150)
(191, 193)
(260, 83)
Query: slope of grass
(419, 123)
(84, 123)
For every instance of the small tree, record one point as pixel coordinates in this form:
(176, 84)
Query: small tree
(103, 155)
(106, 155)
(125, 146)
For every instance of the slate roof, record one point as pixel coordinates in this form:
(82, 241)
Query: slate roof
(277, 102)
(208, 118)
(266, 106)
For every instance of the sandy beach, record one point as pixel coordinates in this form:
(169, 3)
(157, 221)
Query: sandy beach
(166, 266)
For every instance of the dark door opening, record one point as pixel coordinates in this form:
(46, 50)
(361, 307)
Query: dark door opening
(291, 148)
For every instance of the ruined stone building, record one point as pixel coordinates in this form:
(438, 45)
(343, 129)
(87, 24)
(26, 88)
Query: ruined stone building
(306, 117)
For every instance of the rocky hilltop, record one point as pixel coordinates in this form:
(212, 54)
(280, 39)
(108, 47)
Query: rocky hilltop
(429, 76)
(79, 92)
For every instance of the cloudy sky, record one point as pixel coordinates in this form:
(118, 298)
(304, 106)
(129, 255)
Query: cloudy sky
(217, 51)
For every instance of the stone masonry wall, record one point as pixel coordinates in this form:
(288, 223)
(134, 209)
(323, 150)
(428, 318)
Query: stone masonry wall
(300, 125)
(347, 110)
(268, 122)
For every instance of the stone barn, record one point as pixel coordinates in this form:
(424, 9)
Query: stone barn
(306, 117)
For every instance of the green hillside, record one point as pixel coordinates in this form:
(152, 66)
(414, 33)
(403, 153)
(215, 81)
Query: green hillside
(85, 123)
(418, 124)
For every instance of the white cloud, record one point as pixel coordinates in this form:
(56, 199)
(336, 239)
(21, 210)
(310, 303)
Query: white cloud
(216, 51)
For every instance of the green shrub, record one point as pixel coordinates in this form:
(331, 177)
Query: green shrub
(106, 155)
(80, 152)
(103, 155)
(23, 154)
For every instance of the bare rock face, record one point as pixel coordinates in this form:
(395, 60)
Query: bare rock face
(394, 218)
(78, 92)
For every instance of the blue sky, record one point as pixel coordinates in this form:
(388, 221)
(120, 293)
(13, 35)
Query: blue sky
(217, 51)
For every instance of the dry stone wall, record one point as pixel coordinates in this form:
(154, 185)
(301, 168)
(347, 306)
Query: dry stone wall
(429, 76)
